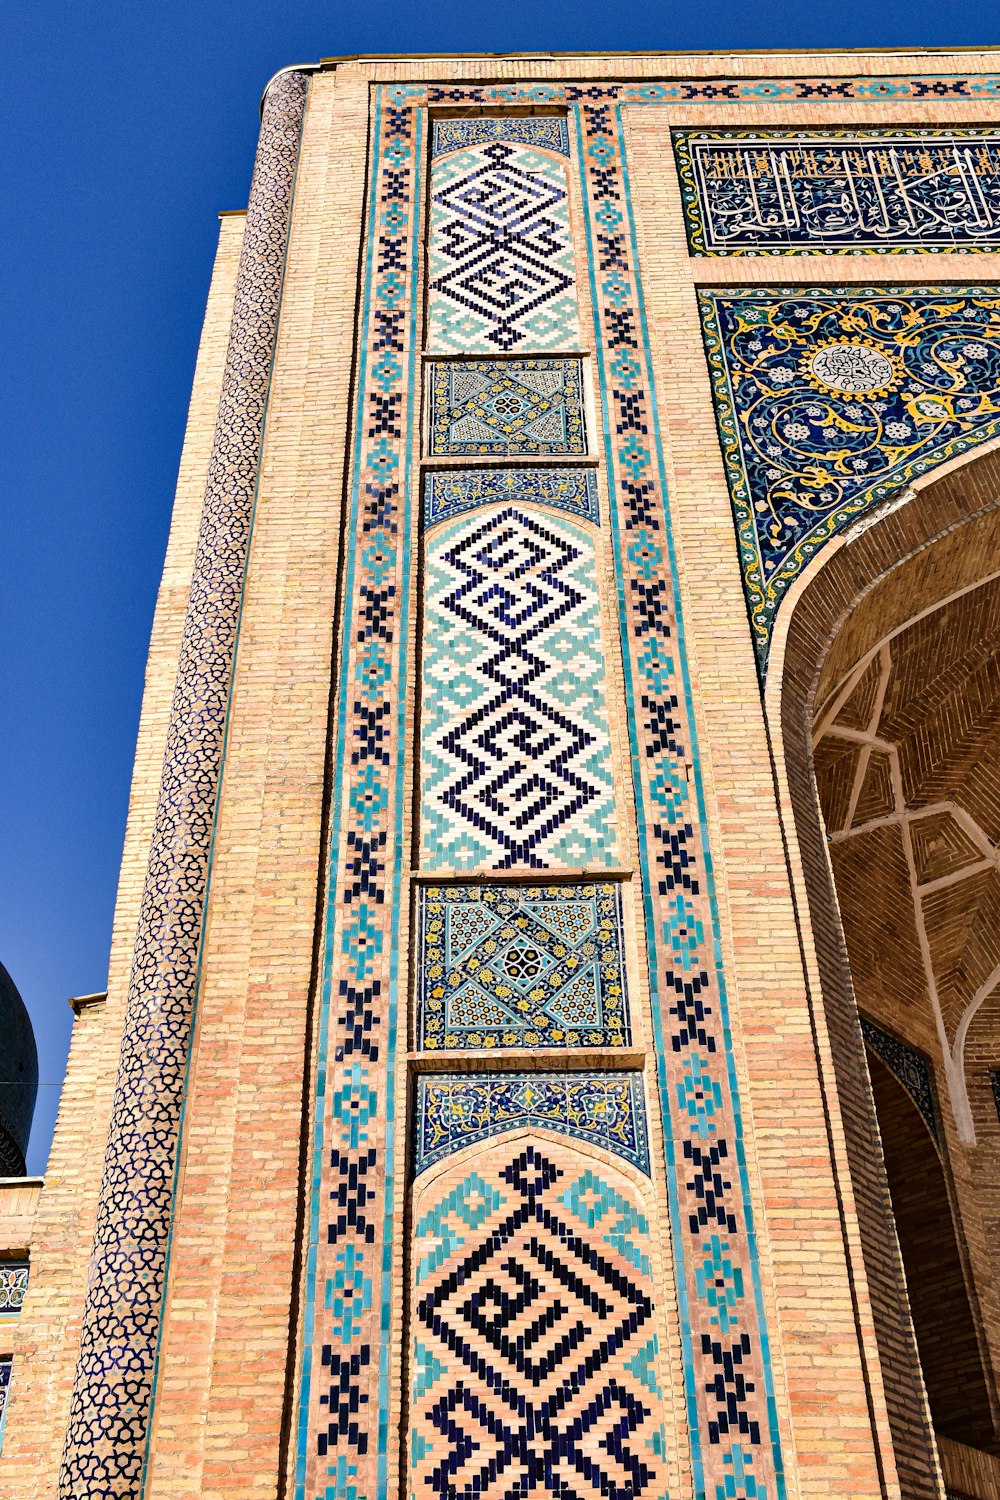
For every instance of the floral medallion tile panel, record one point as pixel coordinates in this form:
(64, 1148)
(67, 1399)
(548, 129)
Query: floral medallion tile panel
(451, 491)
(515, 752)
(504, 408)
(500, 257)
(455, 1110)
(831, 400)
(520, 966)
(816, 192)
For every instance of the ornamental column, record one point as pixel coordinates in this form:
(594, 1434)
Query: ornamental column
(113, 1389)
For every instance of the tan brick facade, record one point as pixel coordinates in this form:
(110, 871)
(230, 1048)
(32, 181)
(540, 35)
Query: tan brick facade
(291, 1360)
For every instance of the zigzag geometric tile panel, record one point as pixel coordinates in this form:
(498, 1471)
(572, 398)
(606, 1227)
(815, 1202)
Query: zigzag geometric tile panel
(501, 273)
(520, 966)
(453, 491)
(515, 752)
(784, 192)
(829, 401)
(454, 1110)
(501, 409)
(533, 1347)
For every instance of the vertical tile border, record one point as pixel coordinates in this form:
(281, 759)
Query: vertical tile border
(346, 1341)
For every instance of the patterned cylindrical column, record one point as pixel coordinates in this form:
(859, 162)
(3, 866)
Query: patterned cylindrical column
(114, 1378)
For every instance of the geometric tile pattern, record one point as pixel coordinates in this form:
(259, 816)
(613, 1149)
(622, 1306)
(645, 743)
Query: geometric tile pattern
(13, 1285)
(520, 966)
(515, 750)
(500, 257)
(784, 192)
(504, 408)
(546, 132)
(453, 491)
(455, 1110)
(111, 1399)
(533, 1346)
(830, 400)
(908, 1066)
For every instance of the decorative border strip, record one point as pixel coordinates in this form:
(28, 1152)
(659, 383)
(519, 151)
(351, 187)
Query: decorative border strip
(546, 134)
(342, 1430)
(909, 1068)
(455, 1110)
(860, 89)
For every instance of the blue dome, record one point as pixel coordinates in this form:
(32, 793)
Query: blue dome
(18, 1078)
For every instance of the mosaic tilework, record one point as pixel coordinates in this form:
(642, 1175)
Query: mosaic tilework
(340, 1436)
(815, 191)
(454, 1110)
(735, 1442)
(13, 1285)
(547, 132)
(681, 91)
(5, 1369)
(520, 966)
(342, 1448)
(533, 1352)
(500, 256)
(506, 408)
(908, 1066)
(453, 491)
(113, 1388)
(515, 752)
(830, 400)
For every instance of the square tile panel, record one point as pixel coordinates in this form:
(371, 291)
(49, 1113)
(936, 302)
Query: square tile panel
(506, 407)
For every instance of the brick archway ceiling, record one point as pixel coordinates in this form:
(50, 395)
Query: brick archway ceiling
(907, 761)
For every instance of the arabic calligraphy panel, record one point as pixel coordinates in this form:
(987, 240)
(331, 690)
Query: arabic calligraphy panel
(835, 192)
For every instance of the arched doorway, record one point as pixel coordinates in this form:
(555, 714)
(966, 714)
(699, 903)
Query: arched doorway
(884, 705)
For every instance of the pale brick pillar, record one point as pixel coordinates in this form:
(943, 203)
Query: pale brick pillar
(114, 1378)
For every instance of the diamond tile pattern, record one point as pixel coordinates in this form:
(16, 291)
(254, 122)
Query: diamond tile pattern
(506, 407)
(515, 746)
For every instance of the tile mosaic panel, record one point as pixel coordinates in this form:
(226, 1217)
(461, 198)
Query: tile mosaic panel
(547, 132)
(13, 1285)
(453, 491)
(829, 400)
(113, 1387)
(520, 966)
(5, 1369)
(454, 1110)
(534, 1332)
(817, 192)
(907, 1065)
(501, 275)
(508, 407)
(515, 750)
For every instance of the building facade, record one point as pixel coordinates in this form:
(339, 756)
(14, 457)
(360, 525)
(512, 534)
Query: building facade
(552, 1041)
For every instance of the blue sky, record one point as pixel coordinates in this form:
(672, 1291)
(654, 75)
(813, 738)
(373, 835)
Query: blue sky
(127, 128)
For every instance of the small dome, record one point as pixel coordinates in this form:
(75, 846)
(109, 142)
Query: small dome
(18, 1078)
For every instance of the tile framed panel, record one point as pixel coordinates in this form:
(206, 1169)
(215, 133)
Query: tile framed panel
(809, 192)
(506, 408)
(449, 492)
(501, 270)
(456, 1110)
(518, 965)
(534, 1341)
(515, 749)
(830, 400)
